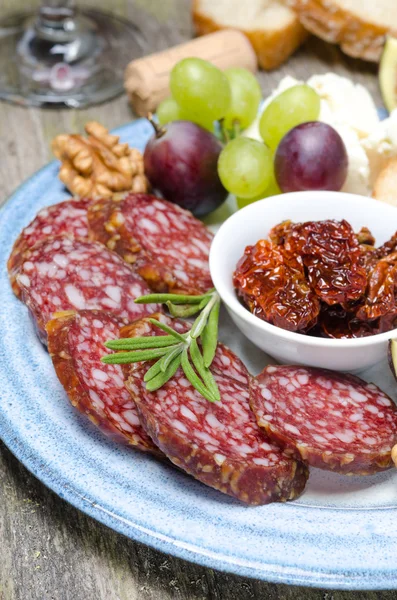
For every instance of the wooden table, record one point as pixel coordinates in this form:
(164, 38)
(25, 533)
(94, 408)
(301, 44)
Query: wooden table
(48, 549)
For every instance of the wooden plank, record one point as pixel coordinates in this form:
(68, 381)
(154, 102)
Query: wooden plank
(48, 549)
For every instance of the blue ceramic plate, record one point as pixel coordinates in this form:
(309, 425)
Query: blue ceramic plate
(342, 533)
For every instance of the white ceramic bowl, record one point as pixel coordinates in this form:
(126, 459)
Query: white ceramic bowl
(254, 222)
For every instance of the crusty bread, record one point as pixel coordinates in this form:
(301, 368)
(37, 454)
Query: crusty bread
(273, 29)
(359, 26)
(385, 187)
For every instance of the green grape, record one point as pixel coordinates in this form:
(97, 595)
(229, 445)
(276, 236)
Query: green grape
(168, 110)
(186, 115)
(273, 187)
(201, 89)
(296, 105)
(241, 202)
(245, 167)
(271, 190)
(245, 98)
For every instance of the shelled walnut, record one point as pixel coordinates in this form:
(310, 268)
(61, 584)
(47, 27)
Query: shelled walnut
(98, 165)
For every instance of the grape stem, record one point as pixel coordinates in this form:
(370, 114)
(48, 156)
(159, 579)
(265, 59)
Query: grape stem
(225, 133)
(160, 131)
(236, 128)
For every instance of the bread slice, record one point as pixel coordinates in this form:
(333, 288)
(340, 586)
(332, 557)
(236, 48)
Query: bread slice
(273, 29)
(359, 26)
(385, 188)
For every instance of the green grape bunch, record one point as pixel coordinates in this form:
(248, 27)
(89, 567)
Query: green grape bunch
(205, 95)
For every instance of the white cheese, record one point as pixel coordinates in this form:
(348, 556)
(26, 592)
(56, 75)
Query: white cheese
(381, 145)
(348, 103)
(357, 180)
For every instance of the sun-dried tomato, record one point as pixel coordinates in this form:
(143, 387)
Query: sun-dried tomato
(336, 322)
(365, 237)
(278, 234)
(322, 279)
(380, 297)
(332, 257)
(388, 247)
(274, 290)
(372, 255)
(369, 258)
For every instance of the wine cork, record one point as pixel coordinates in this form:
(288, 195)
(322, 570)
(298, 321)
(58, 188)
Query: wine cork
(147, 79)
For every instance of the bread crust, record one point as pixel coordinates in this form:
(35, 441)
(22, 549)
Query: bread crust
(272, 48)
(328, 20)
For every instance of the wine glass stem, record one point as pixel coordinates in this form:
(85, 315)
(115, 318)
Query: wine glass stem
(53, 13)
(56, 17)
(57, 6)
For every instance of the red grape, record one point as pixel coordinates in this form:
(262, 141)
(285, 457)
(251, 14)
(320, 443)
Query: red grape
(312, 156)
(181, 163)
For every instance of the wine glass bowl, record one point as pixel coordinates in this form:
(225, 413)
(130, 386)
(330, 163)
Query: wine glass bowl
(64, 56)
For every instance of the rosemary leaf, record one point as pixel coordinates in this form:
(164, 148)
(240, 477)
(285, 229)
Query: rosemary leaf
(167, 329)
(199, 325)
(141, 342)
(204, 373)
(209, 336)
(159, 380)
(169, 357)
(153, 371)
(174, 349)
(194, 379)
(121, 358)
(174, 298)
(183, 310)
(202, 319)
(204, 302)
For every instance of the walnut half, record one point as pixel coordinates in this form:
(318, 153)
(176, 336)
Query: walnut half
(98, 165)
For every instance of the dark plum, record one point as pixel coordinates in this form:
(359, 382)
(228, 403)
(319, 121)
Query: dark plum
(181, 163)
(311, 156)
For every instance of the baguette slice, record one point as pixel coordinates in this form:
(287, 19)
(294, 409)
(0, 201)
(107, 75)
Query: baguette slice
(385, 188)
(273, 29)
(359, 26)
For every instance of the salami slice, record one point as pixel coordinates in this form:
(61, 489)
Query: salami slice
(224, 359)
(66, 218)
(331, 420)
(168, 245)
(62, 274)
(220, 444)
(76, 344)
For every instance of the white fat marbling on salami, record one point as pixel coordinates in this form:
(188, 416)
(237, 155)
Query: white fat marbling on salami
(329, 412)
(66, 218)
(85, 275)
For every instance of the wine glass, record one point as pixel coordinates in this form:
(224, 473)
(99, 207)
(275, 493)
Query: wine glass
(65, 56)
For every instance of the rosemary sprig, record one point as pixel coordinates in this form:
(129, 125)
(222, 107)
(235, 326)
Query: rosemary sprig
(174, 349)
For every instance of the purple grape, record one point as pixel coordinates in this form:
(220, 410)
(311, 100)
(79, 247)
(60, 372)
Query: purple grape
(181, 163)
(311, 156)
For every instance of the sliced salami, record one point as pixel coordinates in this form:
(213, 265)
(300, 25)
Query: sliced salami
(76, 344)
(220, 444)
(62, 274)
(168, 246)
(66, 218)
(333, 421)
